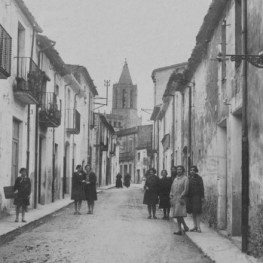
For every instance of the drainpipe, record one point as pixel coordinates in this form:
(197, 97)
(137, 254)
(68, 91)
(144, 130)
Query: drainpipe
(36, 133)
(173, 130)
(64, 157)
(28, 108)
(158, 136)
(245, 143)
(190, 129)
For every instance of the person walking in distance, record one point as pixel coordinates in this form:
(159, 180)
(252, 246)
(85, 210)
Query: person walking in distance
(151, 188)
(195, 197)
(119, 181)
(178, 194)
(22, 191)
(90, 188)
(165, 188)
(77, 193)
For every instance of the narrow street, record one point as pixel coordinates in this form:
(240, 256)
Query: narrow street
(118, 231)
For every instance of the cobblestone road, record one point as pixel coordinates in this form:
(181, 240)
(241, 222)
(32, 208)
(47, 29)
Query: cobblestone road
(118, 232)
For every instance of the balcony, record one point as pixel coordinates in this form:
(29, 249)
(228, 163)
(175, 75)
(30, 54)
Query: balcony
(126, 156)
(73, 121)
(29, 80)
(50, 113)
(5, 53)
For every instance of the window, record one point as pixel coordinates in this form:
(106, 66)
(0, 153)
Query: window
(131, 99)
(139, 156)
(5, 53)
(238, 29)
(115, 124)
(15, 150)
(57, 90)
(124, 98)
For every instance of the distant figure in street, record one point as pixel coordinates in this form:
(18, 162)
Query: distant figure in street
(90, 188)
(164, 192)
(173, 172)
(127, 180)
(195, 197)
(22, 191)
(77, 193)
(178, 194)
(119, 181)
(151, 188)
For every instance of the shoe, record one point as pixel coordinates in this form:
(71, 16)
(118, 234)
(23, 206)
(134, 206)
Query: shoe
(193, 229)
(154, 217)
(186, 229)
(23, 220)
(16, 220)
(149, 217)
(179, 233)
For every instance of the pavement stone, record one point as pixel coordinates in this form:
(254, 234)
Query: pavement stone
(9, 227)
(218, 248)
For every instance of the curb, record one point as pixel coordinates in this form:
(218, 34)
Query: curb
(35, 223)
(195, 244)
(9, 236)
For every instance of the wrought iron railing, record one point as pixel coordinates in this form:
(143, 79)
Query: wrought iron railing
(29, 77)
(50, 113)
(73, 121)
(5, 53)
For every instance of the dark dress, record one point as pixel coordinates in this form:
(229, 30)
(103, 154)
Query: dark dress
(164, 192)
(90, 189)
(195, 194)
(23, 185)
(77, 192)
(127, 180)
(118, 181)
(151, 195)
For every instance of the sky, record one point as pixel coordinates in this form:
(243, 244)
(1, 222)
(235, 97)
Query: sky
(101, 34)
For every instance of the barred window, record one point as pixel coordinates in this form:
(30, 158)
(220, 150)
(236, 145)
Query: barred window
(5, 53)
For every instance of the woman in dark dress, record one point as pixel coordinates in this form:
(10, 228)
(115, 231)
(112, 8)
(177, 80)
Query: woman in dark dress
(151, 188)
(22, 190)
(127, 180)
(195, 197)
(77, 193)
(119, 181)
(90, 188)
(164, 194)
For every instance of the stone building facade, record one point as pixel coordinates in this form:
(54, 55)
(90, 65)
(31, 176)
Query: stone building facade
(218, 118)
(45, 110)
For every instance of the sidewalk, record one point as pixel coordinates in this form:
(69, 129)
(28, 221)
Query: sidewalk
(218, 248)
(9, 228)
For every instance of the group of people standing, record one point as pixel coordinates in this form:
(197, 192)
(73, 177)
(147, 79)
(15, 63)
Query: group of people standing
(84, 188)
(127, 180)
(181, 193)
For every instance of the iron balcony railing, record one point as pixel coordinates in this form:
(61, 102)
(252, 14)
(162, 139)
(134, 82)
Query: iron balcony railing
(29, 81)
(72, 121)
(5, 53)
(50, 110)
